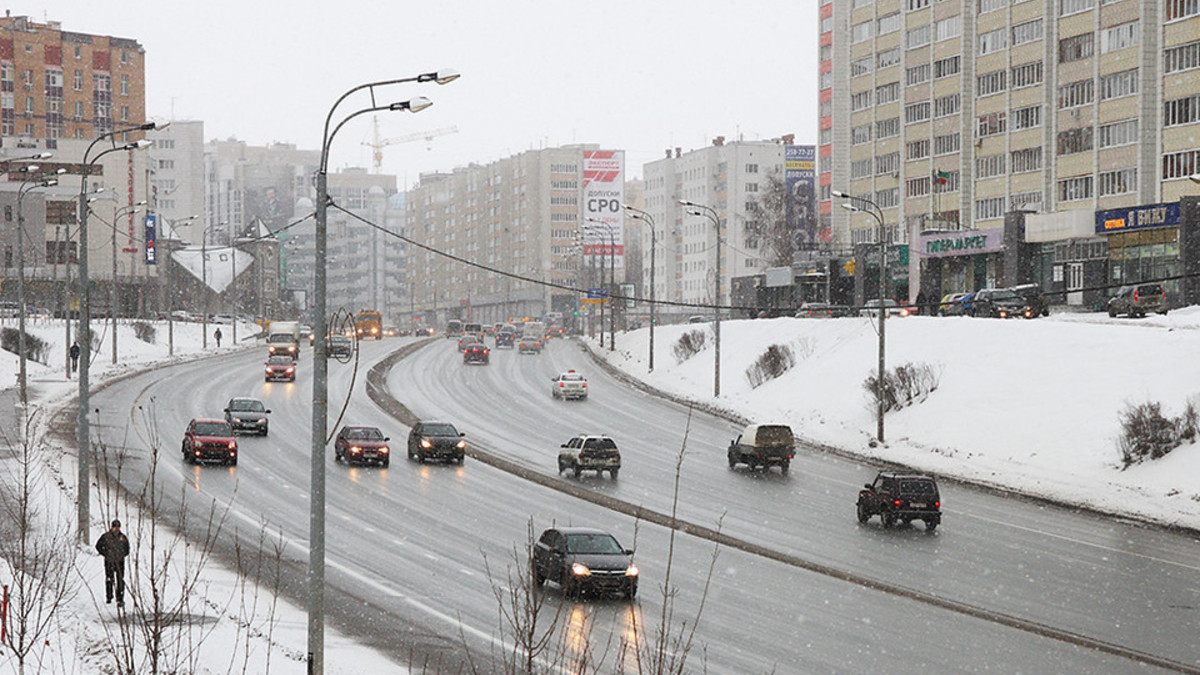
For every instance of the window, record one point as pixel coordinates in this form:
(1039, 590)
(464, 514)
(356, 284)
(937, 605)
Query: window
(989, 208)
(950, 27)
(826, 81)
(78, 110)
(990, 166)
(887, 164)
(861, 32)
(78, 80)
(1119, 37)
(917, 74)
(1118, 182)
(827, 24)
(861, 100)
(751, 187)
(888, 23)
(916, 187)
(947, 66)
(1178, 9)
(1124, 132)
(1116, 85)
(1076, 48)
(991, 83)
(986, 6)
(916, 149)
(1026, 32)
(1027, 160)
(1183, 57)
(914, 5)
(947, 105)
(28, 105)
(887, 58)
(1027, 117)
(861, 168)
(1066, 7)
(887, 128)
(1181, 111)
(862, 66)
(992, 124)
(751, 168)
(860, 134)
(124, 85)
(861, 3)
(916, 112)
(1027, 75)
(124, 113)
(887, 198)
(944, 145)
(1026, 201)
(918, 37)
(1074, 140)
(825, 136)
(1181, 164)
(1074, 189)
(827, 51)
(993, 41)
(886, 93)
(166, 164)
(1075, 94)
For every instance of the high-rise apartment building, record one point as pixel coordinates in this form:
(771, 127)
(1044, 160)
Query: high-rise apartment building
(952, 115)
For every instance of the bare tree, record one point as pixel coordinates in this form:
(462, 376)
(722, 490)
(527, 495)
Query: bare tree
(768, 223)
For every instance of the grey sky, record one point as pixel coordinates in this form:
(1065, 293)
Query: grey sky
(636, 75)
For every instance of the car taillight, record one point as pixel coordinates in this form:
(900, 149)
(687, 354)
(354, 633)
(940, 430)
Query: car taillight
(937, 504)
(897, 502)
(485, 351)
(562, 384)
(585, 385)
(1135, 295)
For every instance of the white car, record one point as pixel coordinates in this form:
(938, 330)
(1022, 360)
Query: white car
(569, 385)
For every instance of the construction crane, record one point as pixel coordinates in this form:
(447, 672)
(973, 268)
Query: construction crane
(378, 144)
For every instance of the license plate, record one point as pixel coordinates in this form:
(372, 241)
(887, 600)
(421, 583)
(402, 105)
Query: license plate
(918, 505)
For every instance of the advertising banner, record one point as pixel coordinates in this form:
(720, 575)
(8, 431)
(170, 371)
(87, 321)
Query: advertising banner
(962, 242)
(151, 239)
(603, 196)
(1137, 218)
(800, 177)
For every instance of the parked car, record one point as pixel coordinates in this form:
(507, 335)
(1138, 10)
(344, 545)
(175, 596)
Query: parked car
(247, 414)
(569, 385)
(763, 446)
(280, 368)
(871, 308)
(438, 440)
(590, 453)
(815, 310)
(339, 345)
(476, 353)
(1138, 300)
(361, 445)
(999, 303)
(1034, 299)
(901, 498)
(584, 560)
(950, 304)
(209, 440)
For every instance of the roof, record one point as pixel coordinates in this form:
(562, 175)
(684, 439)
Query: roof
(582, 530)
(215, 420)
(224, 264)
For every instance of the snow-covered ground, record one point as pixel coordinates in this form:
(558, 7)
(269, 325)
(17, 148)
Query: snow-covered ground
(233, 639)
(1030, 406)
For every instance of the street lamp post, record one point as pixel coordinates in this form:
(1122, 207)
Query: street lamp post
(877, 214)
(320, 404)
(112, 287)
(27, 186)
(711, 214)
(82, 430)
(649, 220)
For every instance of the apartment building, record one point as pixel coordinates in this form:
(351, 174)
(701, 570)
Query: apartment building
(955, 117)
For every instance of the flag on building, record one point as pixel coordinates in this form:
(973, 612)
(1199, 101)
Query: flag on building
(940, 177)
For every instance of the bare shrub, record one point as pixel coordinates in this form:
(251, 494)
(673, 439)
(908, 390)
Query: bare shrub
(36, 349)
(905, 385)
(689, 344)
(775, 361)
(144, 331)
(1146, 433)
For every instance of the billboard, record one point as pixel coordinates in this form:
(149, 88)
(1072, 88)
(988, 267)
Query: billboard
(603, 196)
(800, 177)
(151, 239)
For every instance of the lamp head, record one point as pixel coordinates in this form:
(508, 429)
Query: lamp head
(43, 155)
(851, 207)
(415, 105)
(684, 202)
(29, 168)
(838, 193)
(49, 182)
(443, 76)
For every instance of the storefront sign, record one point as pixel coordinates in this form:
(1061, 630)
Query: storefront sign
(964, 242)
(1137, 218)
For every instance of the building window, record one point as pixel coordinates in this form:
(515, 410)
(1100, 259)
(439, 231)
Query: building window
(944, 145)
(917, 74)
(887, 198)
(914, 5)
(992, 124)
(860, 101)
(825, 136)
(1027, 117)
(1027, 160)
(28, 105)
(1183, 57)
(991, 83)
(1181, 164)
(916, 187)
(124, 85)
(1067, 7)
(887, 58)
(950, 27)
(1118, 182)
(1026, 32)
(1116, 85)
(887, 93)
(947, 105)
(993, 41)
(1075, 94)
(1074, 189)
(916, 112)
(1076, 48)
(826, 81)
(827, 24)
(1027, 75)
(990, 166)
(862, 66)
(918, 37)
(887, 164)
(1119, 37)
(947, 66)
(78, 110)
(124, 57)
(986, 6)
(888, 23)
(1124, 132)
(916, 149)
(860, 134)
(1074, 141)
(166, 164)
(857, 4)
(78, 80)
(1179, 9)
(751, 187)
(860, 168)
(751, 168)
(1181, 111)
(861, 32)
(887, 128)
(1026, 201)
(989, 208)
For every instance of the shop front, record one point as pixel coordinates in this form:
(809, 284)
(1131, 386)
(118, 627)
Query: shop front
(961, 261)
(1143, 245)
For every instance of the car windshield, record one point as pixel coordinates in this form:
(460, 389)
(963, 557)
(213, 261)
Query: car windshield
(213, 429)
(364, 433)
(775, 435)
(1150, 289)
(246, 405)
(439, 430)
(1004, 295)
(572, 377)
(600, 444)
(280, 337)
(916, 487)
(592, 543)
(280, 361)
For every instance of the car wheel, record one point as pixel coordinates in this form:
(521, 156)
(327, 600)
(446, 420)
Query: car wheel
(561, 467)
(233, 462)
(863, 515)
(931, 525)
(613, 473)
(538, 579)
(732, 461)
(385, 463)
(783, 468)
(420, 457)
(578, 472)
(1112, 313)
(631, 591)
(264, 433)
(888, 521)
(460, 459)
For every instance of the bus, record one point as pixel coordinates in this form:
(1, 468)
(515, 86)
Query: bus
(369, 323)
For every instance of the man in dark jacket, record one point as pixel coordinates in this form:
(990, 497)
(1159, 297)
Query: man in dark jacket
(114, 546)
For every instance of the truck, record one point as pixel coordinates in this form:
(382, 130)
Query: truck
(763, 446)
(283, 338)
(369, 324)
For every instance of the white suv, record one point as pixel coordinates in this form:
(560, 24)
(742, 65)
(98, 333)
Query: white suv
(590, 453)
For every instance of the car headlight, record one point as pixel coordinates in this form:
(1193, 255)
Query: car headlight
(290, 371)
(237, 420)
(426, 444)
(461, 445)
(355, 449)
(580, 570)
(631, 571)
(384, 450)
(233, 445)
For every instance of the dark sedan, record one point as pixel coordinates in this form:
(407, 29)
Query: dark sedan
(584, 560)
(436, 440)
(361, 445)
(476, 353)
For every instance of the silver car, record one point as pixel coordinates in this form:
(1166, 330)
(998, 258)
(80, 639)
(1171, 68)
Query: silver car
(247, 414)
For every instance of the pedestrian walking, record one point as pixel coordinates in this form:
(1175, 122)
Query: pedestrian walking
(217, 334)
(114, 546)
(74, 351)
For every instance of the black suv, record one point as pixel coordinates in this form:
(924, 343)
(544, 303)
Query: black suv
(1000, 303)
(436, 440)
(901, 498)
(1138, 300)
(582, 560)
(590, 453)
(1035, 301)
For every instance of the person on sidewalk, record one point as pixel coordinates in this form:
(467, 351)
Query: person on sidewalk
(217, 334)
(114, 546)
(74, 356)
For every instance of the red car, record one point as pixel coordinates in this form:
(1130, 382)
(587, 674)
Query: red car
(210, 440)
(281, 368)
(361, 445)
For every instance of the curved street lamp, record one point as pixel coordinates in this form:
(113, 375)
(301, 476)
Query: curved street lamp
(649, 220)
(82, 430)
(320, 396)
(876, 213)
(27, 186)
(711, 214)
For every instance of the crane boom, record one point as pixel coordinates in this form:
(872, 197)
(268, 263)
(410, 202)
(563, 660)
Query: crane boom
(378, 144)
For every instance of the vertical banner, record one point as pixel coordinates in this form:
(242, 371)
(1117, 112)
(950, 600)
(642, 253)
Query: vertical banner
(151, 239)
(800, 176)
(603, 196)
